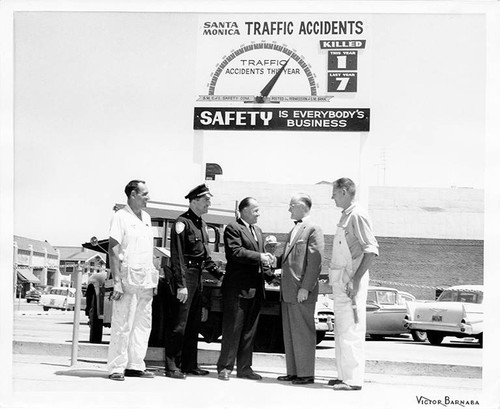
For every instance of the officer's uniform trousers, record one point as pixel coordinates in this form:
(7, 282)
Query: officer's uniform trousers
(130, 330)
(182, 345)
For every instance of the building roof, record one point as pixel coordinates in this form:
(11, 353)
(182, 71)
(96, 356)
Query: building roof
(39, 246)
(74, 253)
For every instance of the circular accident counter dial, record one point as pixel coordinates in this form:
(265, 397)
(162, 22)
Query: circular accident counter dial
(262, 72)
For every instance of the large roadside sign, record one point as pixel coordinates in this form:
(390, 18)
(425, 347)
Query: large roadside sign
(261, 72)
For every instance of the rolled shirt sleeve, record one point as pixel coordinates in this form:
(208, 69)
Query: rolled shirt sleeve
(359, 233)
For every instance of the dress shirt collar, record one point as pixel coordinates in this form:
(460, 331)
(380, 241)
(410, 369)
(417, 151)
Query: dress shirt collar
(349, 210)
(301, 220)
(246, 224)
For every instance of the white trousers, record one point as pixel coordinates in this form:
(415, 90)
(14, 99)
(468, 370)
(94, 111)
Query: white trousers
(130, 329)
(349, 336)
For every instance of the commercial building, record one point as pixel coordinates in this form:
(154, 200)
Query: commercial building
(35, 262)
(71, 257)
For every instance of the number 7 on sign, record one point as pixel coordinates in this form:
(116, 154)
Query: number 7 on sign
(342, 81)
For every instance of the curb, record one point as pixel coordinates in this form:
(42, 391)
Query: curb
(155, 356)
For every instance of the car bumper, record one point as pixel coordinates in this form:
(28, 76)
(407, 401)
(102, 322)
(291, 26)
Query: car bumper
(324, 324)
(441, 327)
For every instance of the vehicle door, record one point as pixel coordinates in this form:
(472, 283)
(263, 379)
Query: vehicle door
(384, 313)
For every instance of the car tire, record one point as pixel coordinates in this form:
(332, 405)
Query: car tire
(45, 308)
(435, 338)
(418, 336)
(480, 339)
(320, 336)
(28, 301)
(95, 323)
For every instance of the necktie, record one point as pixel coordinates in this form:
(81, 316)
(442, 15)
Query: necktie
(253, 232)
(298, 221)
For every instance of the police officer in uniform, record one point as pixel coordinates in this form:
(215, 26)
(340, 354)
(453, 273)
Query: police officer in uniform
(189, 256)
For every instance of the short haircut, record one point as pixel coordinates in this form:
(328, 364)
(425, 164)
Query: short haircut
(133, 185)
(347, 184)
(306, 199)
(245, 203)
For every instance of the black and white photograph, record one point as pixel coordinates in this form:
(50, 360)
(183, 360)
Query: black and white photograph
(237, 204)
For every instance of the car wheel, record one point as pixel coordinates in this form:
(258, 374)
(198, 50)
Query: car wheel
(480, 338)
(28, 301)
(320, 336)
(95, 323)
(45, 308)
(435, 338)
(418, 336)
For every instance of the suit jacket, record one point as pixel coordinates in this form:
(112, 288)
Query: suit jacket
(301, 262)
(244, 269)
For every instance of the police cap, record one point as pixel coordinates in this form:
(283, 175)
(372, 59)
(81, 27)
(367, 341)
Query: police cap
(198, 191)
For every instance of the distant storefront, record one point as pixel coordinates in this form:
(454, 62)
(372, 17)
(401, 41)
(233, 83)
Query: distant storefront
(36, 263)
(72, 257)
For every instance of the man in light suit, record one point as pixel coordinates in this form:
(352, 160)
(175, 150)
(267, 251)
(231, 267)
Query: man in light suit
(300, 268)
(242, 291)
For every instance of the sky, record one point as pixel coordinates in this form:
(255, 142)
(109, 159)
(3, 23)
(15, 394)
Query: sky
(104, 98)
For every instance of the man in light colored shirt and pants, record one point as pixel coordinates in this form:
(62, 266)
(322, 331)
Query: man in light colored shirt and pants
(135, 281)
(354, 249)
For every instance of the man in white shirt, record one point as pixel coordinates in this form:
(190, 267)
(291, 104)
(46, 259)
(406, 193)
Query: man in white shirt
(354, 249)
(135, 281)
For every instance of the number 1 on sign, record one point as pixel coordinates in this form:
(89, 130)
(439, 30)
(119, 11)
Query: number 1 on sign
(341, 62)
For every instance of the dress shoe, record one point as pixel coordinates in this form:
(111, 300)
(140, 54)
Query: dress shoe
(224, 375)
(345, 387)
(287, 378)
(303, 380)
(134, 373)
(332, 382)
(176, 374)
(250, 375)
(197, 371)
(117, 377)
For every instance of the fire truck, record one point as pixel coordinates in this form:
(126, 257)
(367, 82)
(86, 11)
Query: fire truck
(269, 336)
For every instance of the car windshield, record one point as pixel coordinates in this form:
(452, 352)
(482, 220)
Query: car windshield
(474, 297)
(382, 297)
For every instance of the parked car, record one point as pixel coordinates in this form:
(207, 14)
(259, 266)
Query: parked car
(386, 311)
(458, 312)
(33, 295)
(323, 316)
(60, 298)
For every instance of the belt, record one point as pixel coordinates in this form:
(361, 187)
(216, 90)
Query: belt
(194, 263)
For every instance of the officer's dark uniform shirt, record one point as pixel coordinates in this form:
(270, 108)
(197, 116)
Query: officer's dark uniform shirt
(189, 248)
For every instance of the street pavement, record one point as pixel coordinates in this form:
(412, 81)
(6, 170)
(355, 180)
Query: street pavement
(43, 377)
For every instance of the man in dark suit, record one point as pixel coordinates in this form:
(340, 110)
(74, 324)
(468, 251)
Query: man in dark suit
(242, 291)
(300, 267)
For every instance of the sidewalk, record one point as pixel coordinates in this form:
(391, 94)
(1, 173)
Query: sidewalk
(50, 381)
(208, 355)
